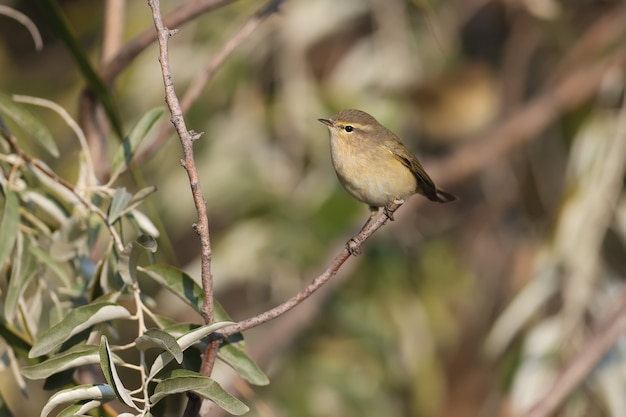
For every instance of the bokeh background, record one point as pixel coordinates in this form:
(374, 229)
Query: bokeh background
(464, 309)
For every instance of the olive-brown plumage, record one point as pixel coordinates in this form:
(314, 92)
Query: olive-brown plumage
(373, 164)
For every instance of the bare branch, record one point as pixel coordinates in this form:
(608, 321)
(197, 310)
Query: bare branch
(187, 139)
(354, 243)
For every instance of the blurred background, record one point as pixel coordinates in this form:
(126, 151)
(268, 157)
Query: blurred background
(464, 309)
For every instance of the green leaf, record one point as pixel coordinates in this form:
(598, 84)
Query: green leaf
(127, 264)
(155, 338)
(110, 374)
(52, 264)
(4, 409)
(118, 204)
(80, 409)
(72, 358)
(101, 392)
(61, 26)
(15, 339)
(183, 286)
(245, 366)
(138, 198)
(76, 321)
(29, 123)
(9, 225)
(182, 380)
(148, 243)
(185, 341)
(22, 270)
(129, 146)
(70, 240)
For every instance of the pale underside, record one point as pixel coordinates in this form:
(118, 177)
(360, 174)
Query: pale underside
(375, 180)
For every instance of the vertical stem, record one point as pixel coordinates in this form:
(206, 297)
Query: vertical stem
(187, 139)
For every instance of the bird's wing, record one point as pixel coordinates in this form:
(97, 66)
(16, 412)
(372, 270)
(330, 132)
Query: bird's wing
(424, 183)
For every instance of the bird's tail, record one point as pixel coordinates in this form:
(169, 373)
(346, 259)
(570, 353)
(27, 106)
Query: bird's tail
(445, 197)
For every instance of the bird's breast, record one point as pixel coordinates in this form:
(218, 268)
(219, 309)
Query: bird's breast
(371, 174)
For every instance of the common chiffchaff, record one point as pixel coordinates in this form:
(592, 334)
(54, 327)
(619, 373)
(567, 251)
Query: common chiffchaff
(373, 164)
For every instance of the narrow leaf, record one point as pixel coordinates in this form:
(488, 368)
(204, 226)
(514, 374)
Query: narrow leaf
(79, 393)
(4, 409)
(245, 366)
(129, 146)
(75, 322)
(118, 204)
(72, 358)
(52, 264)
(15, 339)
(110, 374)
(181, 380)
(148, 243)
(184, 342)
(127, 264)
(80, 409)
(155, 338)
(9, 225)
(29, 123)
(183, 286)
(137, 199)
(22, 270)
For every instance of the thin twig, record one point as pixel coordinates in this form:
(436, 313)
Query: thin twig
(187, 139)
(355, 243)
(202, 79)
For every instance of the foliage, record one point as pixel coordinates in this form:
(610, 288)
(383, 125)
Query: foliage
(69, 277)
(457, 310)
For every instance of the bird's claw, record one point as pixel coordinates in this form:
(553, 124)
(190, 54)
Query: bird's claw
(353, 247)
(388, 213)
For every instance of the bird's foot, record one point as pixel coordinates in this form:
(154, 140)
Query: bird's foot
(353, 247)
(388, 212)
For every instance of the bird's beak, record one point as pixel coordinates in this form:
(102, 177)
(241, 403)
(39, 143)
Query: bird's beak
(327, 122)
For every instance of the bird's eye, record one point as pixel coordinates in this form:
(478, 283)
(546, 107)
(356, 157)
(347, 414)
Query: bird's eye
(348, 128)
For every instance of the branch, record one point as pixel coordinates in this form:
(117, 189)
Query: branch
(187, 139)
(354, 244)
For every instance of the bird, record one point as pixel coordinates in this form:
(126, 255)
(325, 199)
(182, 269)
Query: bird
(373, 164)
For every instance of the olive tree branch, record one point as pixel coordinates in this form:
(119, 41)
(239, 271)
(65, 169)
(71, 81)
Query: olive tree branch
(187, 138)
(354, 244)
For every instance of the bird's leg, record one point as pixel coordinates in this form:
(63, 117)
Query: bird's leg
(388, 212)
(352, 246)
